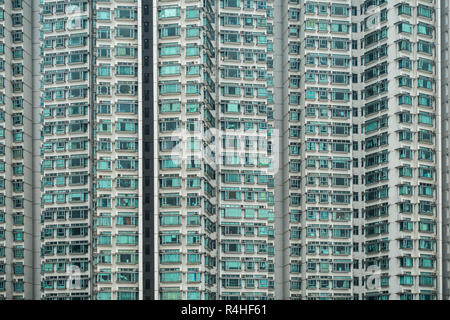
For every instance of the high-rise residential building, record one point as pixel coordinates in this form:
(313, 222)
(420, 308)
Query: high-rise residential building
(318, 188)
(19, 158)
(245, 134)
(401, 100)
(224, 149)
(91, 117)
(369, 109)
(185, 183)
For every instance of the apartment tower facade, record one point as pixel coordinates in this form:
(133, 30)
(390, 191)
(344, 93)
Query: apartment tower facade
(224, 149)
(19, 149)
